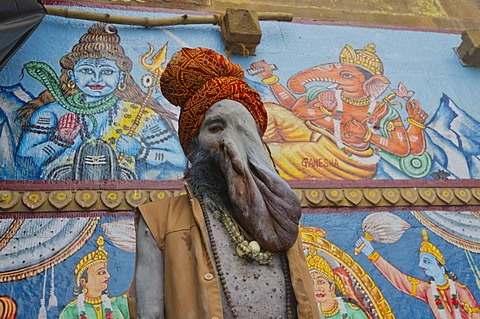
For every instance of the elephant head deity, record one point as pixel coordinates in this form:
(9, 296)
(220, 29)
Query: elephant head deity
(340, 101)
(358, 75)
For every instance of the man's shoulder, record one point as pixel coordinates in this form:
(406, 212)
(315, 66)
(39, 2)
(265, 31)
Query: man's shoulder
(169, 205)
(164, 201)
(168, 214)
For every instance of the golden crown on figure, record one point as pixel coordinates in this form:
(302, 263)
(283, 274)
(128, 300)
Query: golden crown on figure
(99, 255)
(428, 247)
(319, 265)
(366, 59)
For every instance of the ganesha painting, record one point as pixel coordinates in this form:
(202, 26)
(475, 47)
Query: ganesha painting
(343, 123)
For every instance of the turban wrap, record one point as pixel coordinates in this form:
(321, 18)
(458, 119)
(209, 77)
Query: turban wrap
(194, 79)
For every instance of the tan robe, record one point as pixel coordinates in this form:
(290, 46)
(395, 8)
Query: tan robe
(191, 284)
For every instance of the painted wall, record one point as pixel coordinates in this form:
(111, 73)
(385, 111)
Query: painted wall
(436, 138)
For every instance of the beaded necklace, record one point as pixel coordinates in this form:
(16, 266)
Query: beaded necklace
(77, 105)
(355, 102)
(246, 247)
(338, 307)
(236, 233)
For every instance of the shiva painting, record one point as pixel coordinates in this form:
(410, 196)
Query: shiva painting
(94, 122)
(426, 259)
(75, 267)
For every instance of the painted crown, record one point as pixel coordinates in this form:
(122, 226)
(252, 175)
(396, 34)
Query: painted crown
(99, 255)
(366, 59)
(428, 247)
(318, 264)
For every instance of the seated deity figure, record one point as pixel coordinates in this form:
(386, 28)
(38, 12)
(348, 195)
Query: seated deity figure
(337, 128)
(230, 246)
(95, 122)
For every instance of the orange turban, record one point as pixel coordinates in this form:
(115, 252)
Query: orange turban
(194, 79)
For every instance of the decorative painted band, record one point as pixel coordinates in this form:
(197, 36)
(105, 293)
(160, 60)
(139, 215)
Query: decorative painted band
(115, 200)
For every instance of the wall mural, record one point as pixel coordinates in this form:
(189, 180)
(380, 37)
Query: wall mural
(405, 263)
(94, 121)
(341, 131)
(347, 126)
(356, 112)
(58, 267)
(344, 103)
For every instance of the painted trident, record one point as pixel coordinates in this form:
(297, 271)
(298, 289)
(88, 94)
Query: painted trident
(149, 80)
(155, 68)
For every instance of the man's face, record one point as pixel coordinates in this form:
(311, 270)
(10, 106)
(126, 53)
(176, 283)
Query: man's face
(97, 279)
(429, 265)
(227, 119)
(261, 201)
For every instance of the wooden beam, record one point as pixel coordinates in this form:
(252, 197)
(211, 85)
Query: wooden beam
(154, 22)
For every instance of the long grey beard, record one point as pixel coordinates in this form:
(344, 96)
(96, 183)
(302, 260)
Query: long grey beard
(207, 180)
(259, 200)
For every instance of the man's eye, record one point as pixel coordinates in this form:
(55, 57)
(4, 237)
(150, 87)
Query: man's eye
(215, 129)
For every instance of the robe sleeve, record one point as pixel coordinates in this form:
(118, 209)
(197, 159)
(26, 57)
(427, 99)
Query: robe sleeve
(468, 301)
(402, 282)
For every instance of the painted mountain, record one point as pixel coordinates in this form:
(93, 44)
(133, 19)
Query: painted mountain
(453, 141)
(11, 98)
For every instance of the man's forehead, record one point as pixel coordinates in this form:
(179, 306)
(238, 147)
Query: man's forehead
(228, 110)
(97, 266)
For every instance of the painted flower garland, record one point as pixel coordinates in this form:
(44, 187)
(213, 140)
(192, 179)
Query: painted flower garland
(106, 304)
(440, 304)
(343, 309)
